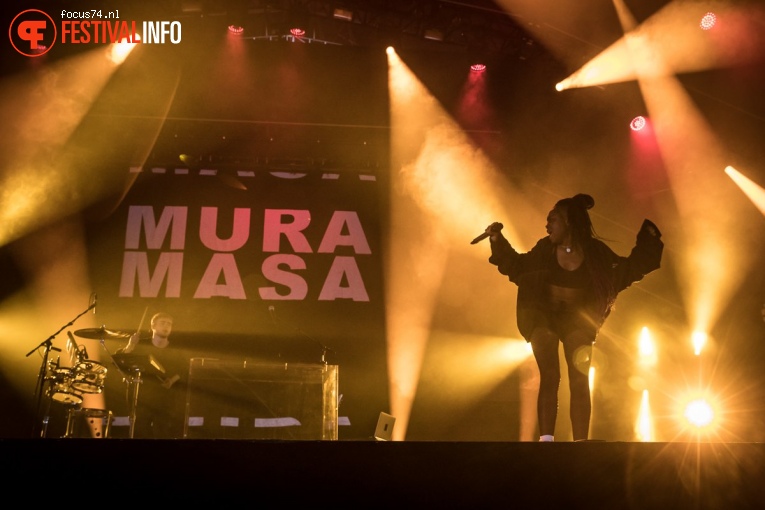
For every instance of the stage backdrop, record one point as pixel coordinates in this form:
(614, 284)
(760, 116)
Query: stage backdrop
(254, 265)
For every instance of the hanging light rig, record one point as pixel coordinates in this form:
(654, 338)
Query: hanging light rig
(638, 123)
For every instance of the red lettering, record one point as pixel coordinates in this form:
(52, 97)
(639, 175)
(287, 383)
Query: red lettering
(112, 31)
(97, 31)
(84, 25)
(75, 30)
(30, 31)
(124, 33)
(65, 29)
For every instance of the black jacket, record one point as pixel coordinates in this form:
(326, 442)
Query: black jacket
(531, 270)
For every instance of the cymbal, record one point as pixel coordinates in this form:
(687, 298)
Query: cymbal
(101, 333)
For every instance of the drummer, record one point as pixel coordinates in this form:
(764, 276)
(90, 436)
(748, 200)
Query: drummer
(161, 327)
(158, 413)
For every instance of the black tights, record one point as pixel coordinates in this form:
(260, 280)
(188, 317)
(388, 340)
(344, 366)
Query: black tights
(577, 348)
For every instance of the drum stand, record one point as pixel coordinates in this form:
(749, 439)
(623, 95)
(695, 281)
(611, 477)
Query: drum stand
(133, 366)
(47, 344)
(133, 381)
(41, 429)
(101, 414)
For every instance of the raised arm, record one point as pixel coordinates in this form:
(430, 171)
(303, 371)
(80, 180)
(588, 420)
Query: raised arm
(134, 338)
(644, 258)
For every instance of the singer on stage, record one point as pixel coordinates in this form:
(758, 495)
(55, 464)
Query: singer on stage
(567, 286)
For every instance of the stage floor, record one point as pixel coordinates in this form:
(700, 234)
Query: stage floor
(372, 474)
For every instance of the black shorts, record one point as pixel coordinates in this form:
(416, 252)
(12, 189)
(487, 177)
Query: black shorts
(561, 322)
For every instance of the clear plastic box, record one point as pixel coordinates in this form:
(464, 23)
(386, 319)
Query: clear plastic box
(254, 400)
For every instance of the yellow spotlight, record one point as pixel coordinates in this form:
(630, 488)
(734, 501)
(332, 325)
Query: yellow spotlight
(643, 427)
(699, 413)
(752, 190)
(646, 347)
(514, 350)
(699, 339)
(120, 51)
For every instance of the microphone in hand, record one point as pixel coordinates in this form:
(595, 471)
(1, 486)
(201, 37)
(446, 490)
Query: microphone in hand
(492, 229)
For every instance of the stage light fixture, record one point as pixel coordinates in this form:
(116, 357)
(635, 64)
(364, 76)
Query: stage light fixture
(478, 58)
(120, 51)
(434, 34)
(638, 123)
(708, 21)
(644, 425)
(699, 413)
(297, 21)
(236, 20)
(191, 6)
(343, 14)
(699, 340)
(647, 348)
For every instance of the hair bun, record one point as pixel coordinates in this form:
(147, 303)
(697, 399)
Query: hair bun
(584, 200)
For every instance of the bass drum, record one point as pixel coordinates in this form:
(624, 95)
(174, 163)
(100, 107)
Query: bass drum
(89, 377)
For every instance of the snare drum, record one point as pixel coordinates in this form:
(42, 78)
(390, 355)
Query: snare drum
(61, 375)
(61, 390)
(89, 377)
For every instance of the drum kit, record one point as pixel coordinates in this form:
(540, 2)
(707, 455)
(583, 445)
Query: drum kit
(69, 385)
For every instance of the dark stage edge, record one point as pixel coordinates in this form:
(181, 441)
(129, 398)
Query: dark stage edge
(406, 474)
